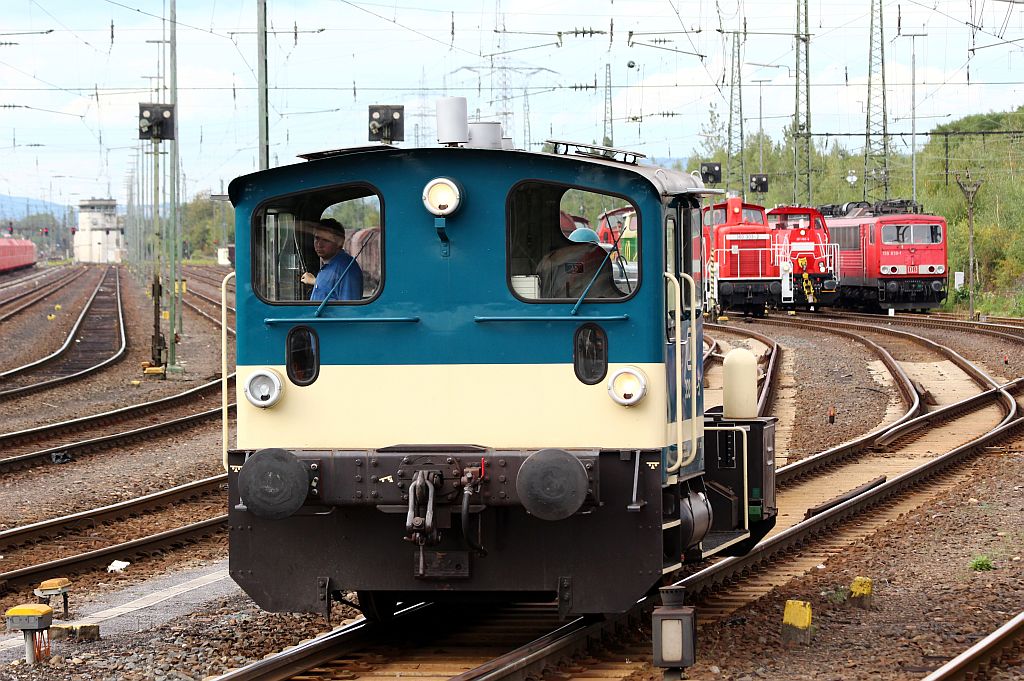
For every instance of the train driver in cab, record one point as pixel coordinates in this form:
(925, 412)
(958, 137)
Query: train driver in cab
(340, 277)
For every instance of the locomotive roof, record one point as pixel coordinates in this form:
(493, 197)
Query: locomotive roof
(665, 181)
(794, 210)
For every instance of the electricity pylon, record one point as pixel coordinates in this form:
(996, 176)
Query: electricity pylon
(735, 166)
(876, 128)
(802, 146)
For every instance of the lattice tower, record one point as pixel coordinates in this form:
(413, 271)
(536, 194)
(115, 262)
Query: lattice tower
(802, 145)
(609, 139)
(526, 120)
(500, 72)
(735, 166)
(876, 128)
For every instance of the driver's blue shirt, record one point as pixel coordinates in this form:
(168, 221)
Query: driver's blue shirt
(350, 288)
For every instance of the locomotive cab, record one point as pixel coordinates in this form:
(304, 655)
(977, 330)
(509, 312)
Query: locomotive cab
(498, 411)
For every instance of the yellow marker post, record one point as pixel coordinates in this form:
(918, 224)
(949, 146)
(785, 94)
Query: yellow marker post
(796, 623)
(860, 593)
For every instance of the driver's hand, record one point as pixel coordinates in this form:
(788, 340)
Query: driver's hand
(308, 279)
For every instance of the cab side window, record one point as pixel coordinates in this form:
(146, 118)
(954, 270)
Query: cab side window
(317, 245)
(564, 241)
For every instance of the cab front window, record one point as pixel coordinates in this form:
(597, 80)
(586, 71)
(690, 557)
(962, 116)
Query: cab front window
(319, 245)
(927, 234)
(564, 242)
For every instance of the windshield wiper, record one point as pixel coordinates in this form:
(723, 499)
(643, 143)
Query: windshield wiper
(583, 295)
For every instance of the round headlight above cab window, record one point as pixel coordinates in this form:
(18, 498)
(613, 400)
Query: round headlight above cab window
(263, 388)
(441, 196)
(627, 386)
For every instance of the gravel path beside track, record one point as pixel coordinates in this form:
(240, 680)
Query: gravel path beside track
(828, 371)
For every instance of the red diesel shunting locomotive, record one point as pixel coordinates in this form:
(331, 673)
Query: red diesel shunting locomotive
(892, 255)
(782, 260)
(803, 236)
(741, 265)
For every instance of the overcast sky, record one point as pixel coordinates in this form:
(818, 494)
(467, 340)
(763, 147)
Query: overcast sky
(71, 82)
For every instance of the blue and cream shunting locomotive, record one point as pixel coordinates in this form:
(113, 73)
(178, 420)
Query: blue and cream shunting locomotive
(505, 412)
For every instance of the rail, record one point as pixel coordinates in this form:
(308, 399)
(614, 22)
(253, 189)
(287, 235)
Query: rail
(974, 658)
(116, 356)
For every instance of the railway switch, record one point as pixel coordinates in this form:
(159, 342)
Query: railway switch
(33, 620)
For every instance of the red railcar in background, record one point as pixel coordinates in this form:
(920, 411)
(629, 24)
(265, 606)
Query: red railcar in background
(569, 223)
(892, 255)
(16, 254)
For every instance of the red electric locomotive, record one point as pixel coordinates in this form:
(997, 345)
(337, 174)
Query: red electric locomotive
(801, 234)
(892, 255)
(16, 254)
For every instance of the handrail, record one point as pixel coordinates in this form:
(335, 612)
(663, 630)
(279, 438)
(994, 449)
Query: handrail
(743, 430)
(693, 368)
(677, 289)
(224, 365)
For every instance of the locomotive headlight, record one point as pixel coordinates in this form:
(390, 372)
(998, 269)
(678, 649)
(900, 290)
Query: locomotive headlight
(441, 196)
(940, 268)
(627, 386)
(821, 267)
(263, 389)
(787, 266)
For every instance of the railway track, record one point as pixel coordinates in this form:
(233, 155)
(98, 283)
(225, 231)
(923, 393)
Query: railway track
(977, 661)
(210, 276)
(1006, 328)
(177, 413)
(860, 513)
(106, 526)
(13, 279)
(769, 360)
(490, 644)
(992, 319)
(97, 340)
(349, 652)
(70, 528)
(808, 487)
(24, 296)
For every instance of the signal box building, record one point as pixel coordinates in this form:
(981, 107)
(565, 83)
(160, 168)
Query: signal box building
(99, 238)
